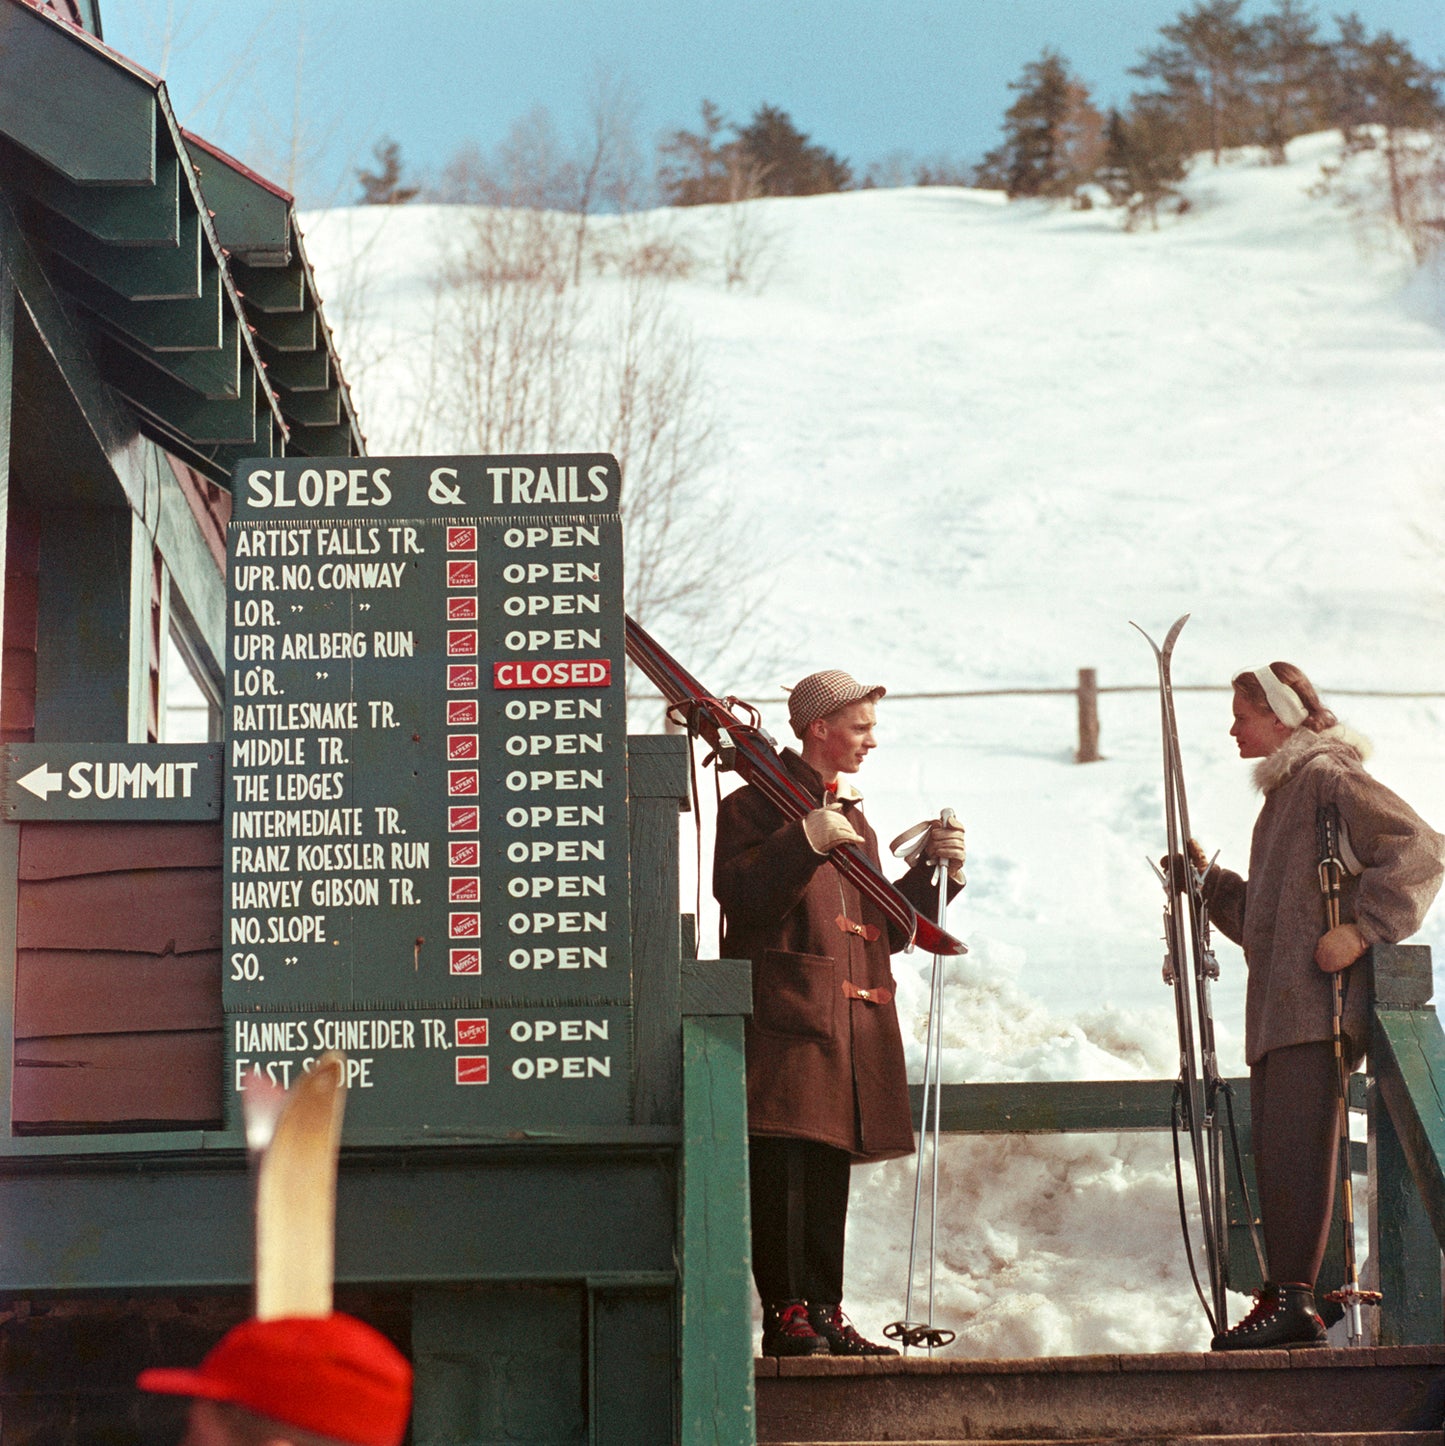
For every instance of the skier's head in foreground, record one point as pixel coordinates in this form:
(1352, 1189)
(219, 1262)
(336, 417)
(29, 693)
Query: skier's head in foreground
(299, 1381)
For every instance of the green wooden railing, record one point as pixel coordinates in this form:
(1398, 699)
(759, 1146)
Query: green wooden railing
(1403, 1098)
(1407, 1145)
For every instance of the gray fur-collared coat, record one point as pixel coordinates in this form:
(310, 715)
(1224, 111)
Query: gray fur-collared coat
(1277, 916)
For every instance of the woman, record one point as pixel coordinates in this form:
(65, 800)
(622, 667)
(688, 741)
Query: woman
(1393, 860)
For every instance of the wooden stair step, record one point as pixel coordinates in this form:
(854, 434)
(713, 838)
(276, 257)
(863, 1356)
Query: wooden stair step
(1383, 1396)
(1303, 1438)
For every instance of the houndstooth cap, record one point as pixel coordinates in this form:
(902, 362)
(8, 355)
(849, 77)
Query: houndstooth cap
(820, 694)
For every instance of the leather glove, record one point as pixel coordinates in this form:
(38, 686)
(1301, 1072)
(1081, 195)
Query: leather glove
(1339, 948)
(827, 827)
(945, 845)
(1174, 867)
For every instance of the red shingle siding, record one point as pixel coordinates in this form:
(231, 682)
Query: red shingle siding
(118, 977)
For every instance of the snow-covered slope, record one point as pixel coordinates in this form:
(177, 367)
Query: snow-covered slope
(969, 443)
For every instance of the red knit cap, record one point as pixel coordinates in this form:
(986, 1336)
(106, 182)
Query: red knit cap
(332, 1375)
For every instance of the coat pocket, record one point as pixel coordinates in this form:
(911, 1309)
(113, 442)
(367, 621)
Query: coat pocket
(796, 994)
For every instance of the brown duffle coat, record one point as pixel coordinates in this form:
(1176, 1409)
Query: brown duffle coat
(824, 1053)
(1277, 916)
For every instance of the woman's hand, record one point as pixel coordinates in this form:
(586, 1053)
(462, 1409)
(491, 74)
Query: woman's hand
(1339, 948)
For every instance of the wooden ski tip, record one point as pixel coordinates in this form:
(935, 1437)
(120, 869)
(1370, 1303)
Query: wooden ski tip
(296, 1196)
(262, 1104)
(933, 940)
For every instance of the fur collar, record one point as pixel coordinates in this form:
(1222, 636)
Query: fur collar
(1301, 746)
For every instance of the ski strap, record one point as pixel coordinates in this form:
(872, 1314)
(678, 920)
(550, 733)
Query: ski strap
(1176, 1120)
(1331, 869)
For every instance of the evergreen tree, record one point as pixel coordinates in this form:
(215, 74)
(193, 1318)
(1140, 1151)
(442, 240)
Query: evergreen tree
(1390, 90)
(1292, 83)
(693, 166)
(1145, 157)
(1204, 67)
(1052, 134)
(383, 186)
(1346, 104)
(769, 156)
(773, 149)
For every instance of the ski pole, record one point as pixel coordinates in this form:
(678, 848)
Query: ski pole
(908, 1331)
(1331, 869)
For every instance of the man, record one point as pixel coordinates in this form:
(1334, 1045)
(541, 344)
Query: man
(295, 1381)
(827, 1086)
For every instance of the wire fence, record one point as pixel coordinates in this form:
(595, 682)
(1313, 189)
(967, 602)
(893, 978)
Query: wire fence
(1086, 691)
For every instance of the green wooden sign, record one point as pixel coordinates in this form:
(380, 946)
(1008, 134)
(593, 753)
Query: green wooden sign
(441, 1068)
(426, 801)
(110, 782)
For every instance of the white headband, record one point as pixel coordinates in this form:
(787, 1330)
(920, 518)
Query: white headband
(1283, 701)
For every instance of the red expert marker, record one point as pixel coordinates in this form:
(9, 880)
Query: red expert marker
(461, 539)
(461, 574)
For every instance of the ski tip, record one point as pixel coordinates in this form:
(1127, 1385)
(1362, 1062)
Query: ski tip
(934, 940)
(1174, 632)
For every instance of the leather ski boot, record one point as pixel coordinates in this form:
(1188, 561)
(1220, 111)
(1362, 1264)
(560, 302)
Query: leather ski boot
(1284, 1318)
(786, 1331)
(835, 1328)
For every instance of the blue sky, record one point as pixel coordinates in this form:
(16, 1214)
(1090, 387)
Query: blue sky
(865, 78)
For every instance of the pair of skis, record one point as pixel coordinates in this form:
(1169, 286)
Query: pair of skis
(1203, 1105)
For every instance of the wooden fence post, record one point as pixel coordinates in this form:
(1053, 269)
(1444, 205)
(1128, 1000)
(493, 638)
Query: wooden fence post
(1088, 717)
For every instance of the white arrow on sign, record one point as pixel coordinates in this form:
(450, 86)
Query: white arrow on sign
(42, 782)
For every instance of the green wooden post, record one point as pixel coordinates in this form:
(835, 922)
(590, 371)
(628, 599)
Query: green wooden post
(717, 1341)
(1407, 1146)
(1401, 1241)
(657, 788)
(9, 833)
(83, 662)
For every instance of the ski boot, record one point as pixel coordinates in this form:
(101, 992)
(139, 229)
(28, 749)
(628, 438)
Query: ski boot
(1284, 1318)
(835, 1328)
(786, 1331)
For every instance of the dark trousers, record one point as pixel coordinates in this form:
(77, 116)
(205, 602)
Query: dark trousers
(1293, 1099)
(799, 1198)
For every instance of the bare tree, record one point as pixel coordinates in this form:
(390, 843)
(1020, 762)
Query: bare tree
(526, 360)
(1403, 195)
(609, 167)
(511, 320)
(749, 244)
